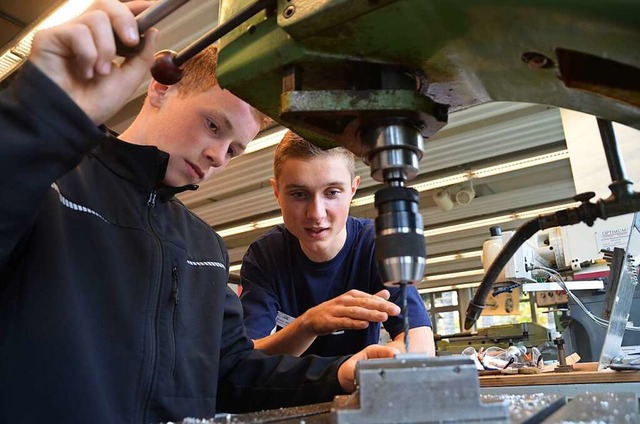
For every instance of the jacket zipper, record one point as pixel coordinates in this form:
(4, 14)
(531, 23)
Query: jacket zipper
(150, 370)
(174, 314)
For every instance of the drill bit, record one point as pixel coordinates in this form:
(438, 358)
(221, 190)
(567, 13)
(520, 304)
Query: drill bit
(405, 315)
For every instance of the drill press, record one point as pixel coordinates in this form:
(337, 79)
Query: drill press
(379, 77)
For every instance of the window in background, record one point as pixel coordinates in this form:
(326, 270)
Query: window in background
(448, 322)
(444, 311)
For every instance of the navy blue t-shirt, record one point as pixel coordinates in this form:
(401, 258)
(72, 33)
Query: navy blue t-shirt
(280, 283)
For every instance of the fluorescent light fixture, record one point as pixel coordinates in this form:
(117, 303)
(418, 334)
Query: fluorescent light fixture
(521, 164)
(8, 63)
(443, 182)
(235, 268)
(266, 140)
(13, 57)
(265, 223)
(451, 275)
(448, 288)
(478, 173)
(435, 289)
(497, 219)
(454, 257)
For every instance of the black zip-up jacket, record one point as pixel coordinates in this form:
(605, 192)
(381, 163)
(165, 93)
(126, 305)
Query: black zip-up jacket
(114, 306)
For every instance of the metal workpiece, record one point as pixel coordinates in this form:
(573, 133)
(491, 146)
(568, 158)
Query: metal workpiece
(415, 388)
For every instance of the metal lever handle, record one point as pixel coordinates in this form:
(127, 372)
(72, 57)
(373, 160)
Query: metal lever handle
(166, 69)
(146, 20)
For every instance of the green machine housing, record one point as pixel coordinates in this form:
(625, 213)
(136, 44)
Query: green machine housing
(329, 68)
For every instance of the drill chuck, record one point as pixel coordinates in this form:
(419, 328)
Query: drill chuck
(400, 245)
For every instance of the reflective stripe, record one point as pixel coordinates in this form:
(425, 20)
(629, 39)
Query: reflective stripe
(76, 207)
(216, 264)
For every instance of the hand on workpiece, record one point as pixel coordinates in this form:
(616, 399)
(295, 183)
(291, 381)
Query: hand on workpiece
(352, 310)
(79, 56)
(347, 371)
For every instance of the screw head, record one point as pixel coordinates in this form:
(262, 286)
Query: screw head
(536, 60)
(289, 11)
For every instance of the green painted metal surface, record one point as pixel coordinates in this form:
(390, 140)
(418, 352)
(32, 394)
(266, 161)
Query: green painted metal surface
(582, 55)
(502, 336)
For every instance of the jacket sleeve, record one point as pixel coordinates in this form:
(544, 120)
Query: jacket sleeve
(44, 135)
(251, 380)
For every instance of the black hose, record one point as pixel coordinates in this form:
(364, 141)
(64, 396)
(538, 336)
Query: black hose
(614, 161)
(524, 233)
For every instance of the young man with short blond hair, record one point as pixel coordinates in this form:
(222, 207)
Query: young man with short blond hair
(315, 278)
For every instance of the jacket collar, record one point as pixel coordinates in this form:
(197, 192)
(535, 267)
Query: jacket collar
(144, 166)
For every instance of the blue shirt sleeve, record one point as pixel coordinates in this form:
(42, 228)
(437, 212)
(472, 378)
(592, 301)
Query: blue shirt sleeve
(259, 301)
(418, 315)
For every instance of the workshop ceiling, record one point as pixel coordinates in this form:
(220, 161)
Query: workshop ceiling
(17, 16)
(475, 138)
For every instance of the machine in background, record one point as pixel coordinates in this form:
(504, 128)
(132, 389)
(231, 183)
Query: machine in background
(527, 335)
(593, 281)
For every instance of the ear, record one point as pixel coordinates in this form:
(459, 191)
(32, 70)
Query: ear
(156, 93)
(276, 192)
(355, 183)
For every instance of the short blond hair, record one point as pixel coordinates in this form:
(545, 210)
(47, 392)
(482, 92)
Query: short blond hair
(294, 146)
(199, 74)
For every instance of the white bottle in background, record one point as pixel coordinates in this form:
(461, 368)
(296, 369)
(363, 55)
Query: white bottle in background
(490, 249)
